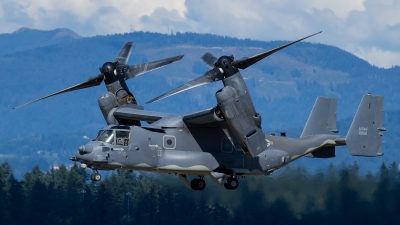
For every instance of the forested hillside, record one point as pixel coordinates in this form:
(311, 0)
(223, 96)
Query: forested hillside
(283, 86)
(335, 195)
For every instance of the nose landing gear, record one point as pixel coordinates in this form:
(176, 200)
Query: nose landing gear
(198, 184)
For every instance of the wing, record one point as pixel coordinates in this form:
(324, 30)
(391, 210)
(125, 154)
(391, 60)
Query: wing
(132, 112)
(205, 117)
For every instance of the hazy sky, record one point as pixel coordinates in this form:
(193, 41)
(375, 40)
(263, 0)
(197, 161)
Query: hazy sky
(369, 29)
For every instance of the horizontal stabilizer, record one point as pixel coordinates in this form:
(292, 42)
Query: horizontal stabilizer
(364, 137)
(324, 152)
(322, 119)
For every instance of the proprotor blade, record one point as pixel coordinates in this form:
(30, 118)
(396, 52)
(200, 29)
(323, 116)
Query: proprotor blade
(124, 53)
(216, 73)
(91, 82)
(209, 59)
(139, 69)
(245, 62)
(210, 76)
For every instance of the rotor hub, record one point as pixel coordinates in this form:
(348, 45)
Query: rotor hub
(225, 63)
(109, 71)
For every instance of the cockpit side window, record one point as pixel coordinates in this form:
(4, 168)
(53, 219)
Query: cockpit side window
(107, 136)
(122, 137)
(97, 135)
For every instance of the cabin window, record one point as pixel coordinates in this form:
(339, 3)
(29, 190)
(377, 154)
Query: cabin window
(122, 137)
(169, 142)
(226, 145)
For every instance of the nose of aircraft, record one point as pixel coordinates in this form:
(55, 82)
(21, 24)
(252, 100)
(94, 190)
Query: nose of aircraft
(84, 149)
(83, 153)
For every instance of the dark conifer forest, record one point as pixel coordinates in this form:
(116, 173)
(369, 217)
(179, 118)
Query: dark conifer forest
(336, 195)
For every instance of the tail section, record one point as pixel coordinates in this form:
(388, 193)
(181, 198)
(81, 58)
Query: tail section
(322, 119)
(364, 137)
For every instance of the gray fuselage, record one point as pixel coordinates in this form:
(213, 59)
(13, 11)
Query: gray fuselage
(189, 150)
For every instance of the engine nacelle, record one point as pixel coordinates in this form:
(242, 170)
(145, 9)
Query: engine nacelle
(238, 110)
(121, 94)
(107, 102)
(116, 96)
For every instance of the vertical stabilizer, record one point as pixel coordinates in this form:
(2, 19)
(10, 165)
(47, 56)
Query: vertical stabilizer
(364, 137)
(322, 119)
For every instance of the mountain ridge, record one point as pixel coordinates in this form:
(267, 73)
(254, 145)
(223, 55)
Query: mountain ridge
(27, 38)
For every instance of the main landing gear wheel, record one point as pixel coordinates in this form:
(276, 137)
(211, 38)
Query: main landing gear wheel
(231, 183)
(95, 177)
(198, 184)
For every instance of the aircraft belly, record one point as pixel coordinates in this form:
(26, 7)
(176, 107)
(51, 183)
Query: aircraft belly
(232, 160)
(175, 160)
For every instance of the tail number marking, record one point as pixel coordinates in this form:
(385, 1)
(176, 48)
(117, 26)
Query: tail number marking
(362, 130)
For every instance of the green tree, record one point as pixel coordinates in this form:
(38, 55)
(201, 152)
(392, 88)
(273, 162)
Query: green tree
(381, 196)
(38, 205)
(16, 201)
(3, 193)
(30, 178)
(75, 184)
(104, 207)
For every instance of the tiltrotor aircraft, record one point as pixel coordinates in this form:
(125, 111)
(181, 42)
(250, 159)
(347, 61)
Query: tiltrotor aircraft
(226, 141)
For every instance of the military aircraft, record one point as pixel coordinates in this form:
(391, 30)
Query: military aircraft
(226, 141)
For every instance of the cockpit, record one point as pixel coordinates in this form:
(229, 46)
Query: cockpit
(116, 135)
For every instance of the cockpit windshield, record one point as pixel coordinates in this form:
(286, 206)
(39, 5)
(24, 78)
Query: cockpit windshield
(114, 137)
(97, 135)
(107, 136)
